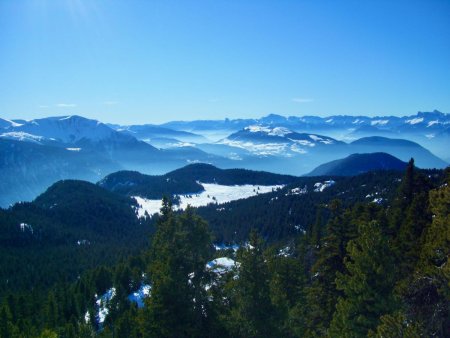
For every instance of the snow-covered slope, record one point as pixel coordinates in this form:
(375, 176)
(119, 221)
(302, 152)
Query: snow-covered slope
(276, 141)
(67, 129)
(213, 193)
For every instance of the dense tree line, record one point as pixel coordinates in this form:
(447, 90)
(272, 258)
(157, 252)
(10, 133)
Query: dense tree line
(359, 270)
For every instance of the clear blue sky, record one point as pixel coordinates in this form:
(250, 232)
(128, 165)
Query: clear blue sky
(153, 61)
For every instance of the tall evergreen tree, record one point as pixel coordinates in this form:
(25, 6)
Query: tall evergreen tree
(322, 295)
(7, 329)
(428, 292)
(178, 260)
(410, 217)
(252, 313)
(367, 286)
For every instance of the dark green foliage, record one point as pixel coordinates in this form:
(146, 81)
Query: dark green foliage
(428, 293)
(132, 183)
(252, 312)
(282, 215)
(411, 217)
(185, 180)
(179, 252)
(336, 275)
(367, 285)
(322, 294)
(207, 173)
(72, 227)
(396, 326)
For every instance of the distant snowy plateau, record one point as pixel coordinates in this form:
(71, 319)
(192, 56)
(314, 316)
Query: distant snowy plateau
(213, 193)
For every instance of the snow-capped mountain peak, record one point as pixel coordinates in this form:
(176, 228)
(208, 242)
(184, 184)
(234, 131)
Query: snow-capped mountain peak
(67, 129)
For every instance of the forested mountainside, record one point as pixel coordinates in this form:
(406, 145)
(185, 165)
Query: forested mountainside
(186, 180)
(356, 164)
(72, 227)
(360, 268)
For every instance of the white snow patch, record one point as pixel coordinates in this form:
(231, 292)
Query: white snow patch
(432, 123)
(263, 149)
(147, 207)
(222, 246)
(298, 191)
(320, 139)
(415, 120)
(83, 242)
(321, 186)
(25, 226)
(257, 129)
(285, 252)
(22, 136)
(304, 142)
(222, 264)
(139, 295)
(181, 144)
(296, 149)
(280, 131)
(73, 149)
(379, 122)
(430, 136)
(103, 304)
(213, 193)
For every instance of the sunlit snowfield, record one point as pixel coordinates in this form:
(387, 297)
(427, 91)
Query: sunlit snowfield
(214, 193)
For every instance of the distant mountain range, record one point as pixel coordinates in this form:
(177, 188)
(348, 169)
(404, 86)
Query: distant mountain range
(356, 164)
(429, 129)
(36, 153)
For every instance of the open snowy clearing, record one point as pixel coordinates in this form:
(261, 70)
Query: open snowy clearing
(214, 193)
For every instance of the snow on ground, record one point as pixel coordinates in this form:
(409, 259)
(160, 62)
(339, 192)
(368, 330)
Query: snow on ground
(222, 246)
(25, 226)
(147, 207)
(222, 264)
(320, 139)
(321, 186)
(139, 295)
(379, 122)
(22, 136)
(263, 149)
(298, 191)
(102, 305)
(415, 120)
(214, 193)
(303, 142)
(280, 131)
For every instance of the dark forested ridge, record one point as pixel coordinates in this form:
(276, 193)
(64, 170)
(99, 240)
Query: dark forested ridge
(371, 259)
(73, 226)
(356, 164)
(186, 180)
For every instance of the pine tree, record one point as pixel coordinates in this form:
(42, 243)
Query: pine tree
(287, 281)
(7, 329)
(396, 326)
(367, 286)
(179, 254)
(428, 293)
(322, 295)
(410, 218)
(252, 313)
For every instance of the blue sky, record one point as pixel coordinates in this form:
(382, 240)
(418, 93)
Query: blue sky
(154, 61)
